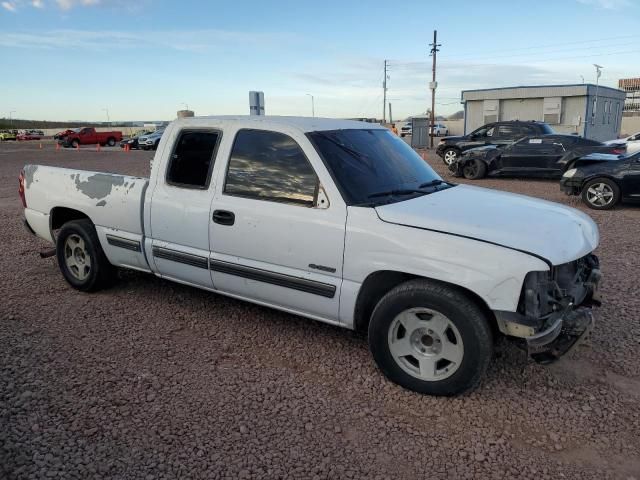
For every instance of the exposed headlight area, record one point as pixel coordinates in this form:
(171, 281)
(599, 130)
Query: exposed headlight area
(570, 173)
(567, 285)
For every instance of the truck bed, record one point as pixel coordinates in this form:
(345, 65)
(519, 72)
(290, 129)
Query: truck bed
(109, 200)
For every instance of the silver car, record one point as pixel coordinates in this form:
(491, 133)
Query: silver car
(150, 141)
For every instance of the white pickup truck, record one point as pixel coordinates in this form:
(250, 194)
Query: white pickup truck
(338, 221)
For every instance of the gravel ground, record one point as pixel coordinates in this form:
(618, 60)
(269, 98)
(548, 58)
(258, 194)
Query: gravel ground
(152, 379)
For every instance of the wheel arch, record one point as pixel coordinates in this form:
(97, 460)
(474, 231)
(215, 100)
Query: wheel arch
(61, 215)
(378, 283)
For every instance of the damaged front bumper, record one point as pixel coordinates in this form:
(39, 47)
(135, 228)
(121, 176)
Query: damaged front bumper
(552, 335)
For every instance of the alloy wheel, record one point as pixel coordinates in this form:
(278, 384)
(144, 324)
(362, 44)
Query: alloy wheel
(600, 194)
(425, 344)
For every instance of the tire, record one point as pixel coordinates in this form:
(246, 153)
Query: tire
(111, 141)
(81, 259)
(75, 143)
(450, 155)
(419, 311)
(474, 170)
(601, 193)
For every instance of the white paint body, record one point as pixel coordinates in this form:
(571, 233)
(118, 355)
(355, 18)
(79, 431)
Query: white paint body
(482, 240)
(632, 143)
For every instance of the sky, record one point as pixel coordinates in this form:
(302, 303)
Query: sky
(146, 59)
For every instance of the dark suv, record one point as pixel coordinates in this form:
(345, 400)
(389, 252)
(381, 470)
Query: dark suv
(498, 133)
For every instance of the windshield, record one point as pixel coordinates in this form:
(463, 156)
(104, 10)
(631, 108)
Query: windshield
(365, 163)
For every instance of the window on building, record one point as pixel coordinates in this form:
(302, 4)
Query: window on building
(192, 159)
(593, 111)
(270, 166)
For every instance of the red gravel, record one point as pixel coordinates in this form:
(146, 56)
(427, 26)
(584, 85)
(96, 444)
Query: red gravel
(152, 379)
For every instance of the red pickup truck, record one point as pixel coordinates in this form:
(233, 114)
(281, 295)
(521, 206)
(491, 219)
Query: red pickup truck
(89, 136)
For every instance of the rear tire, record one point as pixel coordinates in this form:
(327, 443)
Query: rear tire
(601, 194)
(474, 170)
(430, 338)
(81, 259)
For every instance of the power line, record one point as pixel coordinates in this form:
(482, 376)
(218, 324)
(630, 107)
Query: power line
(554, 45)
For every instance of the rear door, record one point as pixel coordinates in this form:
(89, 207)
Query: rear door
(506, 134)
(531, 156)
(277, 235)
(180, 208)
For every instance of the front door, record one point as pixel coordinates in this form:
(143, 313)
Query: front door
(276, 236)
(180, 208)
(631, 180)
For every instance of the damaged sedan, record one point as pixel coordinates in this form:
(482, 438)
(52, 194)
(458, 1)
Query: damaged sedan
(544, 156)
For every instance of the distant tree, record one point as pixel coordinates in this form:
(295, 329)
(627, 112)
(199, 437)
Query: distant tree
(457, 116)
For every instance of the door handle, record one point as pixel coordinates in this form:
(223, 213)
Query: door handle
(223, 217)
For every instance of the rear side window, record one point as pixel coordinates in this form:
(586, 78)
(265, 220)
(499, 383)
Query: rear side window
(270, 166)
(192, 159)
(508, 131)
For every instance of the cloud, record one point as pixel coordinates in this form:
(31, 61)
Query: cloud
(198, 41)
(68, 4)
(37, 3)
(10, 6)
(607, 4)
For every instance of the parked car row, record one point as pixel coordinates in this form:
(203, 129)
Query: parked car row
(145, 140)
(6, 135)
(603, 174)
(439, 130)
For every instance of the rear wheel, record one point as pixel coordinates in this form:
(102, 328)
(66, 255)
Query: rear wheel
(450, 155)
(601, 194)
(81, 258)
(474, 169)
(430, 338)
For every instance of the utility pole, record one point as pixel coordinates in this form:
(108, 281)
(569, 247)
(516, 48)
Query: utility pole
(390, 115)
(595, 102)
(384, 94)
(313, 105)
(434, 50)
(11, 119)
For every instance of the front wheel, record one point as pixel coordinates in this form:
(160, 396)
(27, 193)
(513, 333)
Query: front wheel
(430, 338)
(111, 142)
(450, 155)
(601, 194)
(75, 143)
(474, 169)
(80, 257)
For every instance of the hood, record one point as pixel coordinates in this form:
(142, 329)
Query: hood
(453, 139)
(483, 148)
(549, 230)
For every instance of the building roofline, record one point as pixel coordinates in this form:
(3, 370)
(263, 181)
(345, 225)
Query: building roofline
(542, 86)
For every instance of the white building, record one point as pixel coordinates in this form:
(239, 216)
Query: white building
(588, 110)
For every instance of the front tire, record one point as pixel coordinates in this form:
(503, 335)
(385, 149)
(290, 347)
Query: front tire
(430, 338)
(75, 143)
(474, 170)
(601, 194)
(450, 155)
(111, 142)
(80, 257)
